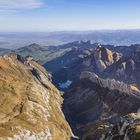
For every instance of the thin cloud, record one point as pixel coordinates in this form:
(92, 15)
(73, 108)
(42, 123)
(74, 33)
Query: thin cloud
(20, 4)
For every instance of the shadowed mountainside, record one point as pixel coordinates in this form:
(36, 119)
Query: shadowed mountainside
(95, 104)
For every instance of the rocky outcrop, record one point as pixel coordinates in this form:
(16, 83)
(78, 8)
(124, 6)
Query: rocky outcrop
(104, 58)
(112, 84)
(30, 105)
(127, 129)
(94, 104)
(126, 70)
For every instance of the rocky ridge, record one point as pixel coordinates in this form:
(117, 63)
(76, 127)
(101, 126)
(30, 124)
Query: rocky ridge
(112, 84)
(95, 104)
(30, 105)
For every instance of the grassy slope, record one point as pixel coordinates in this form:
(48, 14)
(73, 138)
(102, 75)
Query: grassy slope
(18, 89)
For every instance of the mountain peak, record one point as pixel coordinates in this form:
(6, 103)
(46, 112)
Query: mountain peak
(105, 57)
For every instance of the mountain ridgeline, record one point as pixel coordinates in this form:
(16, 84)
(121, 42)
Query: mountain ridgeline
(101, 85)
(30, 105)
(94, 105)
(121, 63)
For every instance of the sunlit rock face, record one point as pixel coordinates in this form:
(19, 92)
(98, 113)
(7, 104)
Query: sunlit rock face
(30, 105)
(95, 104)
(104, 57)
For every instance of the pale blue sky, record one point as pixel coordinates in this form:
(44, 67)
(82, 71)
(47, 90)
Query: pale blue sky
(54, 15)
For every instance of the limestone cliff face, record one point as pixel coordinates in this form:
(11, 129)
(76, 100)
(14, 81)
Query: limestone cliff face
(30, 106)
(95, 104)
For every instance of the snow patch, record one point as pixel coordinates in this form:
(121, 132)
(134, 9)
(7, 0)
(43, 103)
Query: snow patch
(65, 85)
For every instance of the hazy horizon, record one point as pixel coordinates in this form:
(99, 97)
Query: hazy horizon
(74, 31)
(113, 37)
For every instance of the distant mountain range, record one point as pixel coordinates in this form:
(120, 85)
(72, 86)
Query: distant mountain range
(113, 37)
(67, 61)
(121, 63)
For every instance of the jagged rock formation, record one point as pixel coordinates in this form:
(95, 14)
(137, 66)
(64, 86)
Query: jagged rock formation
(104, 58)
(94, 104)
(70, 65)
(67, 61)
(127, 69)
(127, 129)
(111, 83)
(30, 105)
